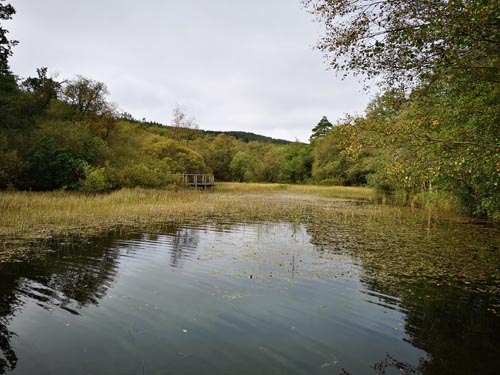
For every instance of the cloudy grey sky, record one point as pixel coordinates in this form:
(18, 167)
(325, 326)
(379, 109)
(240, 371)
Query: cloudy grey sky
(232, 64)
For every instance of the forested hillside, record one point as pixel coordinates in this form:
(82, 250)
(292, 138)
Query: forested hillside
(432, 134)
(248, 136)
(66, 135)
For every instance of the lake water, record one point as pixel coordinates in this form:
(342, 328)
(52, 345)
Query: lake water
(259, 298)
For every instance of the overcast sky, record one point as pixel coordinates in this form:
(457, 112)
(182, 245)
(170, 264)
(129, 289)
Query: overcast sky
(232, 64)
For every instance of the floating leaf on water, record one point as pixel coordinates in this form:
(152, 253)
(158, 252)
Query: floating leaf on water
(234, 296)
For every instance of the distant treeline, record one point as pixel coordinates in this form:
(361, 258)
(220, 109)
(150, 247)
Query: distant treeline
(435, 141)
(244, 136)
(249, 137)
(241, 135)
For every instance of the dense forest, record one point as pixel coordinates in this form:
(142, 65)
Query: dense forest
(432, 133)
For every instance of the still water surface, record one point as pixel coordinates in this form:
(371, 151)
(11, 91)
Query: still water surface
(254, 298)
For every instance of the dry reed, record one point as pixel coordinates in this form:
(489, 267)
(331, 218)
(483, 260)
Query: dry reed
(34, 216)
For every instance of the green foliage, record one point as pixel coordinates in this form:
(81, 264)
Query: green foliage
(339, 159)
(457, 125)
(243, 166)
(248, 137)
(320, 130)
(42, 88)
(299, 161)
(219, 154)
(87, 97)
(406, 41)
(260, 162)
(6, 13)
(94, 180)
(53, 167)
(11, 164)
(17, 109)
(275, 165)
(443, 137)
(180, 158)
(140, 173)
(441, 134)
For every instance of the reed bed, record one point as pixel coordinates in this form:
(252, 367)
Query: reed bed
(344, 192)
(27, 217)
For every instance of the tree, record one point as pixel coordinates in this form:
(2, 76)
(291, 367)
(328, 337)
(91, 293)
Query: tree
(87, 97)
(406, 40)
(181, 159)
(274, 164)
(53, 167)
(299, 156)
(15, 108)
(43, 88)
(244, 165)
(6, 13)
(12, 164)
(185, 128)
(320, 130)
(219, 154)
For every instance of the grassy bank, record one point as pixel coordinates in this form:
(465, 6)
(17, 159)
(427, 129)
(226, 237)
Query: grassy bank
(37, 216)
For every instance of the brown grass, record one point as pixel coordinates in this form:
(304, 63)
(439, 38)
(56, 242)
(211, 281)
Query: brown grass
(31, 216)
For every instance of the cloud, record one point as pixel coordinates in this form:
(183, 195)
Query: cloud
(234, 65)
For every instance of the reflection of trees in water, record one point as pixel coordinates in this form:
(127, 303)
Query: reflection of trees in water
(455, 327)
(390, 365)
(9, 360)
(8, 302)
(435, 269)
(71, 278)
(184, 246)
(452, 325)
(68, 279)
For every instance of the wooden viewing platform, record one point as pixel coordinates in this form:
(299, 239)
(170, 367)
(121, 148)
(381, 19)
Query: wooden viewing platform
(198, 180)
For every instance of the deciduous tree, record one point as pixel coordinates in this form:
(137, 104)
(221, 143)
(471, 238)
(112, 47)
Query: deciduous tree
(86, 96)
(6, 13)
(407, 40)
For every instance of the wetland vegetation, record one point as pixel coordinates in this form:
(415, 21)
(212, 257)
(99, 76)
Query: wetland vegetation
(29, 217)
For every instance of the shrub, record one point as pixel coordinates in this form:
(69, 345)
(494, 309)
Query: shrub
(95, 180)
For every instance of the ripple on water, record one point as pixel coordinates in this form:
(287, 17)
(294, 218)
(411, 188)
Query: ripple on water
(243, 298)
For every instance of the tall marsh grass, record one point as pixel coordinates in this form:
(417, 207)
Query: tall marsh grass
(34, 216)
(344, 192)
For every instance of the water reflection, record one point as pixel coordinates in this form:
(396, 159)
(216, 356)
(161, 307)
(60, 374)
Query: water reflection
(184, 246)
(442, 273)
(213, 299)
(454, 327)
(68, 279)
(8, 301)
